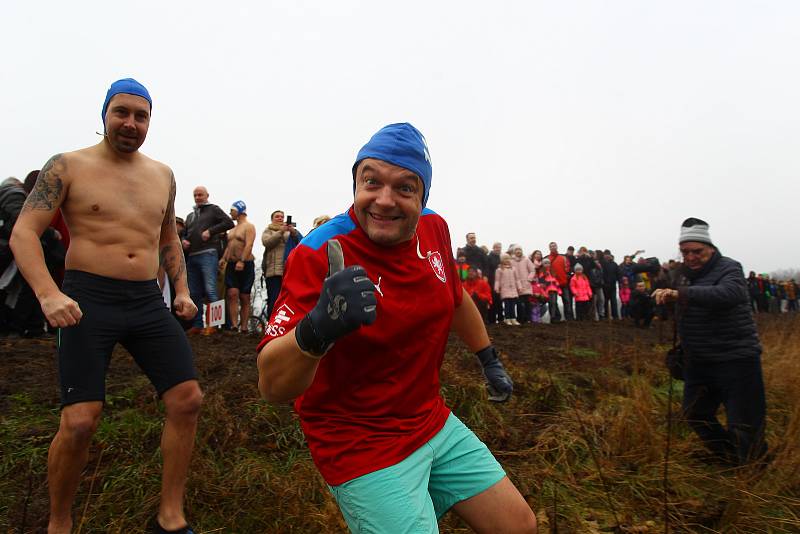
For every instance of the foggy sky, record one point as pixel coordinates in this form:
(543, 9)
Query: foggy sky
(589, 123)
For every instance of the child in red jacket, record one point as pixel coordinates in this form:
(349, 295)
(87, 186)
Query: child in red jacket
(550, 284)
(478, 288)
(582, 291)
(538, 297)
(625, 297)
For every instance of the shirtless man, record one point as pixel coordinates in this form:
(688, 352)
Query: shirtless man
(119, 205)
(239, 264)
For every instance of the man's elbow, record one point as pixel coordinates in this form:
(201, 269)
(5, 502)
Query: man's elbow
(17, 240)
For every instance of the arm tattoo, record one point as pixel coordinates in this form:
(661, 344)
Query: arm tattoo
(172, 260)
(169, 217)
(171, 255)
(49, 187)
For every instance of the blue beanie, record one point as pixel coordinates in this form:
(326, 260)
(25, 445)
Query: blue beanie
(402, 145)
(240, 206)
(128, 86)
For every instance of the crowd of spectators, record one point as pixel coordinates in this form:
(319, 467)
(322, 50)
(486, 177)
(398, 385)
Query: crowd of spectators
(589, 285)
(509, 287)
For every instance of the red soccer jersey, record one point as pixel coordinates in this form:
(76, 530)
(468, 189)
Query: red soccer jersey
(375, 398)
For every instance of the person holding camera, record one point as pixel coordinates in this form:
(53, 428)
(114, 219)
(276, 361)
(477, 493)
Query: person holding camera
(721, 362)
(278, 238)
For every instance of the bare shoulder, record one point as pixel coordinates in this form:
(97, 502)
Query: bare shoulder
(157, 169)
(51, 184)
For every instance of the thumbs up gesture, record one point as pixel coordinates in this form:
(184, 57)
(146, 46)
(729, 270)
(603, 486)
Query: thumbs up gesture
(346, 302)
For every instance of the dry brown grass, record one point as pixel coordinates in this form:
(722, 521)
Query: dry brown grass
(583, 438)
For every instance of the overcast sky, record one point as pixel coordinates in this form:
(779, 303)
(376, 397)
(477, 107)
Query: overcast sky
(596, 123)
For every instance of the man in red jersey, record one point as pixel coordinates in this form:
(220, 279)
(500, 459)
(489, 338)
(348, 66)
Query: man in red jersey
(357, 338)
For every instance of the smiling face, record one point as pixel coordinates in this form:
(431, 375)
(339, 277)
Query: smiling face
(388, 201)
(127, 122)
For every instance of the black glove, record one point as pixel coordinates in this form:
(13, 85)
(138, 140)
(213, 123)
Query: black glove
(498, 382)
(346, 302)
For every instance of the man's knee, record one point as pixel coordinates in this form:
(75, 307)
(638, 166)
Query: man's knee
(79, 422)
(184, 400)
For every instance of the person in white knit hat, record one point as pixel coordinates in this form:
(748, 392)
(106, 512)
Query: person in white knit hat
(722, 353)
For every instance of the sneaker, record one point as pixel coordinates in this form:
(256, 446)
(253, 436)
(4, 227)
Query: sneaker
(514, 322)
(158, 529)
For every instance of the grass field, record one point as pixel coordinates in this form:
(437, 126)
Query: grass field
(584, 438)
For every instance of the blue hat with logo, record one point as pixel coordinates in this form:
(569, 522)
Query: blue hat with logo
(403, 145)
(240, 206)
(129, 86)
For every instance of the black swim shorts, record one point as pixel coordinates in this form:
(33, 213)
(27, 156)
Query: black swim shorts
(241, 280)
(132, 313)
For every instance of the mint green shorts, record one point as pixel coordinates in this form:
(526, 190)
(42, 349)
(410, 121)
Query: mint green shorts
(410, 496)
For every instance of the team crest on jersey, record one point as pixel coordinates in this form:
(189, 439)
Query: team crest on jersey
(435, 259)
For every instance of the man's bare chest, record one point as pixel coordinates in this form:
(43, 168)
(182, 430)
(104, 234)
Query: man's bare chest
(238, 234)
(118, 198)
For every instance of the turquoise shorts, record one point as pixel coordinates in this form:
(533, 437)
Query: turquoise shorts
(410, 496)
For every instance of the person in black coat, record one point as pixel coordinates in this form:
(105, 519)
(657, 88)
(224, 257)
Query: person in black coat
(476, 256)
(492, 263)
(641, 307)
(722, 349)
(611, 275)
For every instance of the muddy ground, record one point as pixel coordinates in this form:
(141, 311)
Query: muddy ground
(558, 369)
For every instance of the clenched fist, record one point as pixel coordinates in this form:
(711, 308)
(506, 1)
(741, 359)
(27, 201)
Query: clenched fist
(60, 310)
(184, 307)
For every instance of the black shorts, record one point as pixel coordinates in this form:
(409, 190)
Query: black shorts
(241, 280)
(132, 313)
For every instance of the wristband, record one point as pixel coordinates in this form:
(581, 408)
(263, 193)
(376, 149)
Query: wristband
(487, 355)
(309, 341)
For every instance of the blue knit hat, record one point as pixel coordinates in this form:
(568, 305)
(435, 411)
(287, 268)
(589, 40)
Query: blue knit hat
(403, 145)
(128, 86)
(240, 206)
